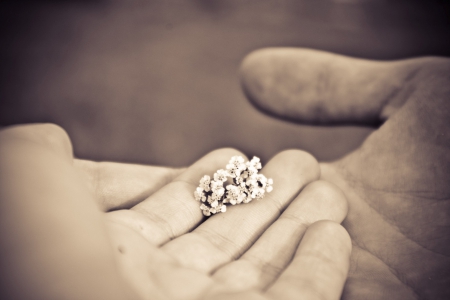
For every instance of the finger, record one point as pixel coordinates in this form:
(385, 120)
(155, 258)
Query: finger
(320, 266)
(172, 210)
(269, 256)
(310, 86)
(50, 136)
(225, 237)
(119, 186)
(49, 222)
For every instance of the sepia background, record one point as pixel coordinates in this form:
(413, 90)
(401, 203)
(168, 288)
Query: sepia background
(157, 81)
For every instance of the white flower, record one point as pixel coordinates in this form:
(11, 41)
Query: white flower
(245, 186)
(243, 193)
(235, 166)
(252, 183)
(221, 175)
(248, 199)
(258, 193)
(232, 190)
(252, 171)
(199, 195)
(262, 180)
(215, 197)
(241, 198)
(204, 183)
(269, 186)
(232, 194)
(236, 160)
(264, 183)
(238, 179)
(255, 163)
(234, 171)
(205, 210)
(236, 194)
(217, 188)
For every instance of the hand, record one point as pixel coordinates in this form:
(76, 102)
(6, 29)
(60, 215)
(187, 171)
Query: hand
(397, 182)
(84, 230)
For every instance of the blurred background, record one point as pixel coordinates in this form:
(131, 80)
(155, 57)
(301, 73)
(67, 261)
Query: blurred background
(156, 81)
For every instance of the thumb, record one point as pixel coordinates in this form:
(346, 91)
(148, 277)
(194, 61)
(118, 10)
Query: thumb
(310, 86)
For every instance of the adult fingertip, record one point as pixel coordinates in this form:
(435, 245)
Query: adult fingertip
(330, 195)
(317, 87)
(226, 153)
(51, 136)
(255, 76)
(300, 160)
(334, 231)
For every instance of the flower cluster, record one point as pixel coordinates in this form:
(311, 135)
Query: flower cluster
(238, 183)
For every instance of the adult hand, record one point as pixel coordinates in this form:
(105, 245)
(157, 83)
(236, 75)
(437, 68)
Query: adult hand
(82, 230)
(397, 182)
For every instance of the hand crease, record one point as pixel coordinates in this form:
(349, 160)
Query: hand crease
(396, 273)
(393, 271)
(217, 240)
(386, 219)
(160, 222)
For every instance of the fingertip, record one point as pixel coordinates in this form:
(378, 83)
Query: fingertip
(287, 82)
(226, 153)
(319, 200)
(333, 231)
(301, 161)
(255, 76)
(331, 196)
(317, 87)
(57, 138)
(51, 136)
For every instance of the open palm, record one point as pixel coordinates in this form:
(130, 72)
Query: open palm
(75, 229)
(397, 181)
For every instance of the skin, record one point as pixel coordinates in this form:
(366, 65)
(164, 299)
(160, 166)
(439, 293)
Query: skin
(75, 229)
(397, 181)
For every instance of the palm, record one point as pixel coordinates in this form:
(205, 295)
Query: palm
(155, 243)
(160, 260)
(397, 181)
(399, 214)
(150, 271)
